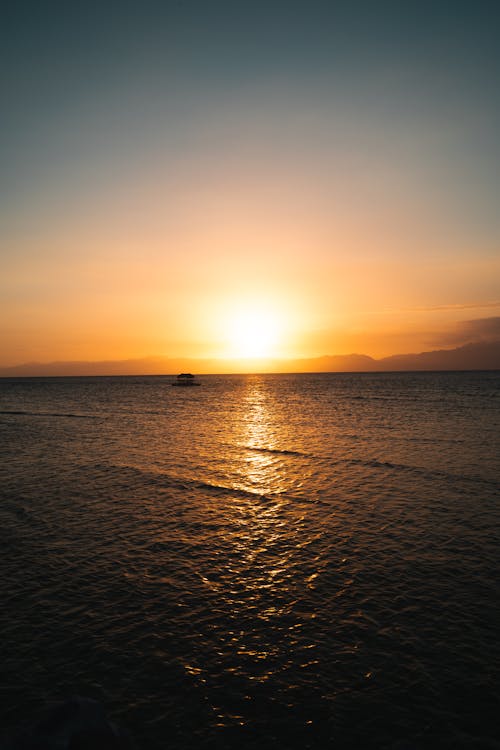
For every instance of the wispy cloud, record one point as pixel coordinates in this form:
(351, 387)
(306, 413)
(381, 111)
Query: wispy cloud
(459, 306)
(470, 331)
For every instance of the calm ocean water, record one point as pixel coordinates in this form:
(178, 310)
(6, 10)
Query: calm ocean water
(278, 561)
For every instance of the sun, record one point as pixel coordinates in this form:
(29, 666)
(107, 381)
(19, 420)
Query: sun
(253, 333)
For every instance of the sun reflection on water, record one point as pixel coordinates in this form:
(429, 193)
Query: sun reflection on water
(263, 469)
(264, 543)
(259, 588)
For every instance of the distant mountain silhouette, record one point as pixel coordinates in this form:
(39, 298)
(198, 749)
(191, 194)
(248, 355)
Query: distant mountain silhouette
(473, 356)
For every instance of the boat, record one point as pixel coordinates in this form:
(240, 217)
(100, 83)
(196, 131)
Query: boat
(185, 379)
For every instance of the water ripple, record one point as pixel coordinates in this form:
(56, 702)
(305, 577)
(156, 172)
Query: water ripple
(275, 563)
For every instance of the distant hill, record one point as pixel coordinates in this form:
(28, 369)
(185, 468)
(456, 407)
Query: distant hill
(473, 356)
(140, 366)
(476, 356)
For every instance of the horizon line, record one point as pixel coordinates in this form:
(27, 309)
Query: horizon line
(478, 355)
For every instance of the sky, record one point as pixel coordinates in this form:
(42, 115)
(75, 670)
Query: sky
(247, 179)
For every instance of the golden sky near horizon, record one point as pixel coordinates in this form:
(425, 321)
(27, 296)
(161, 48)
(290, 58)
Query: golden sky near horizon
(260, 200)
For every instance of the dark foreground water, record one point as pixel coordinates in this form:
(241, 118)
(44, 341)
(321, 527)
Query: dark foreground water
(297, 561)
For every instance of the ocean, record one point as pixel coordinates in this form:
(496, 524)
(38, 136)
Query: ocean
(266, 561)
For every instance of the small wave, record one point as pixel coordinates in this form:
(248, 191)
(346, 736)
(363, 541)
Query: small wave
(374, 398)
(47, 414)
(130, 475)
(378, 464)
(220, 489)
(420, 470)
(280, 451)
(168, 481)
(268, 497)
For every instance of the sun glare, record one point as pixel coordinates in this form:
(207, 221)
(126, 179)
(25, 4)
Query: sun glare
(253, 333)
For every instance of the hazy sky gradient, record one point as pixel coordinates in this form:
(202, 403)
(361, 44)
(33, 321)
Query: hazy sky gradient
(164, 165)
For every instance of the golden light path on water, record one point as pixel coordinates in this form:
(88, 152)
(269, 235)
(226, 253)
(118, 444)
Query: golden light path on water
(258, 570)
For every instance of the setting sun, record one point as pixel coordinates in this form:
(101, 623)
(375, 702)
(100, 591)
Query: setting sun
(253, 333)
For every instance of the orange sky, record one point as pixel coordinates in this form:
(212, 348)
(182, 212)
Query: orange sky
(283, 207)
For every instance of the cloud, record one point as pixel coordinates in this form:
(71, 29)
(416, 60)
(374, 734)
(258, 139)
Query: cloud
(470, 331)
(466, 306)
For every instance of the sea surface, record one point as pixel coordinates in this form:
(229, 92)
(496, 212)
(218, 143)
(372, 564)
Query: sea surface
(265, 561)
